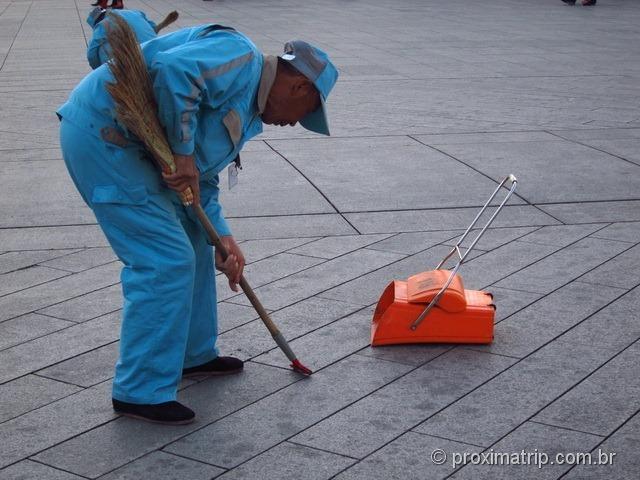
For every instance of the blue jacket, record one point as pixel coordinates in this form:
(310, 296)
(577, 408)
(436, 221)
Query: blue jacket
(99, 50)
(210, 84)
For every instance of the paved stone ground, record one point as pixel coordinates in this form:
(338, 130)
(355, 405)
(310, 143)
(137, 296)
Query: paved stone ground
(437, 101)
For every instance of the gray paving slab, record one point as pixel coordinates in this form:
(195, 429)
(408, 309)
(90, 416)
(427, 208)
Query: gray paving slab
(164, 466)
(312, 281)
(623, 148)
(614, 327)
(47, 426)
(231, 315)
(46, 180)
(85, 307)
(116, 443)
(11, 261)
(296, 320)
(251, 431)
(58, 237)
(492, 238)
(320, 348)
(408, 354)
(30, 154)
(394, 164)
(623, 232)
(251, 228)
(594, 211)
(288, 461)
(534, 439)
(30, 392)
(27, 327)
(599, 134)
(621, 271)
(446, 219)
(87, 369)
(502, 404)
(409, 457)
(562, 267)
(27, 469)
(563, 235)
(414, 242)
(255, 196)
(603, 401)
(55, 347)
(256, 250)
(542, 321)
(615, 456)
(27, 277)
(546, 178)
(41, 296)
(384, 415)
(332, 247)
(509, 302)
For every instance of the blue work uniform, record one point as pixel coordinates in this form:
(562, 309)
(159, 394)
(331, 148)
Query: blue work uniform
(99, 50)
(211, 85)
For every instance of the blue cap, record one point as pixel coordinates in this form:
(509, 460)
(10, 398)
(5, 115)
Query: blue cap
(314, 64)
(96, 16)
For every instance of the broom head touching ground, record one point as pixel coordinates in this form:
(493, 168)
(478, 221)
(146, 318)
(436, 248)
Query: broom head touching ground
(132, 92)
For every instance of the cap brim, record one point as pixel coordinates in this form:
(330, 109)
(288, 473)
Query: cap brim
(317, 121)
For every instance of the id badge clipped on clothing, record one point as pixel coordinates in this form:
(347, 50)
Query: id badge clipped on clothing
(232, 173)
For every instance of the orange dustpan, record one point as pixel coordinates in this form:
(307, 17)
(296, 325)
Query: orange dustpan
(434, 306)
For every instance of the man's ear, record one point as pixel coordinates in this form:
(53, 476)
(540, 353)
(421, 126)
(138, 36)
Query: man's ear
(301, 87)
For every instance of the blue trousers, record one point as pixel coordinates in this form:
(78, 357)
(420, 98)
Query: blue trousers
(169, 319)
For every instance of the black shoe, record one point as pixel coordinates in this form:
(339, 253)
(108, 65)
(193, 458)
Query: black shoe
(217, 366)
(569, 2)
(168, 413)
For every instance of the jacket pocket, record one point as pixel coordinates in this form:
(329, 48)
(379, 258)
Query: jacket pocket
(134, 195)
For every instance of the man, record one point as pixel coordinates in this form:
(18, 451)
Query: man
(214, 91)
(99, 50)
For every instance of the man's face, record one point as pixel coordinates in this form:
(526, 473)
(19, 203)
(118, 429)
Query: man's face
(292, 97)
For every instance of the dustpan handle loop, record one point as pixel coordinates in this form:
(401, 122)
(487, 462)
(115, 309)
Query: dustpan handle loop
(456, 248)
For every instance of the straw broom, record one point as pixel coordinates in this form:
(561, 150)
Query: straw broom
(136, 109)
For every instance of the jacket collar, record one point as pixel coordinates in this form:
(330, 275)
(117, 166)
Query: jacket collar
(268, 76)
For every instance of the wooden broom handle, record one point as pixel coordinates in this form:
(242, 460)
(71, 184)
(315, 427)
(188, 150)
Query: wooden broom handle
(246, 288)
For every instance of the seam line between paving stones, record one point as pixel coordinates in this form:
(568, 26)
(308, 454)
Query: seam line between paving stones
(318, 449)
(313, 185)
(561, 427)
(443, 438)
(528, 419)
(17, 33)
(36, 284)
(603, 440)
(39, 264)
(593, 148)
(50, 466)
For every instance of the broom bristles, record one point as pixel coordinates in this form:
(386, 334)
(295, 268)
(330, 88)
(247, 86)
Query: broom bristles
(132, 93)
(169, 19)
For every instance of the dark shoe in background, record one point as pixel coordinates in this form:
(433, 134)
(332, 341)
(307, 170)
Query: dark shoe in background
(167, 413)
(569, 2)
(216, 367)
(588, 3)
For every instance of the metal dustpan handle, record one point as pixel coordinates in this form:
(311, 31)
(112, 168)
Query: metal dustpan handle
(456, 247)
